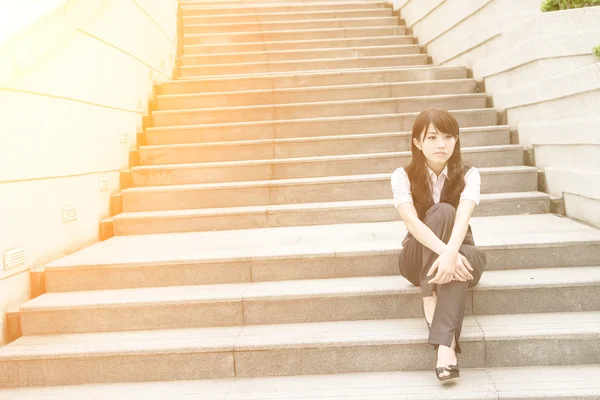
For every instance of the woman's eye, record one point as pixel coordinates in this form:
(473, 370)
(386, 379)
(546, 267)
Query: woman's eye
(448, 137)
(431, 137)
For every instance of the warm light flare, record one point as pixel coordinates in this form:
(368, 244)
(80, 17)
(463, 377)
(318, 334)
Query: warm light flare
(16, 15)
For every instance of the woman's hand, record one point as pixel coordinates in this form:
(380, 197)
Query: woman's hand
(450, 266)
(446, 268)
(461, 273)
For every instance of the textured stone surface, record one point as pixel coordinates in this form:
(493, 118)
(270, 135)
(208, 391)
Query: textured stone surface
(278, 302)
(536, 241)
(554, 383)
(275, 150)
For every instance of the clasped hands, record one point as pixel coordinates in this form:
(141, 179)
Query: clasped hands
(451, 266)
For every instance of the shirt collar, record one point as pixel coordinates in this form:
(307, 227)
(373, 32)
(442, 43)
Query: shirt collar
(434, 177)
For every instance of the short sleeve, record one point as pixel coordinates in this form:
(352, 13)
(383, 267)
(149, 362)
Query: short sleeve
(472, 190)
(401, 187)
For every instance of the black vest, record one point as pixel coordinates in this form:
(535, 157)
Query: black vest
(444, 198)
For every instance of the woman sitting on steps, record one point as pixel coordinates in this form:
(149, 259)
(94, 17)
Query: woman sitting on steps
(436, 196)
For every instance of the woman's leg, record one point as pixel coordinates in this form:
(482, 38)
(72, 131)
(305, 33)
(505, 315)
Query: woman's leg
(440, 219)
(450, 302)
(411, 264)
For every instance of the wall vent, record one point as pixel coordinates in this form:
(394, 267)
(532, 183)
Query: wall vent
(69, 214)
(124, 137)
(14, 258)
(103, 184)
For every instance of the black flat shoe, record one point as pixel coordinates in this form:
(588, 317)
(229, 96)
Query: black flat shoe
(453, 373)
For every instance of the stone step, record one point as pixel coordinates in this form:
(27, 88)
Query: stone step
(311, 79)
(301, 34)
(321, 145)
(262, 3)
(577, 382)
(295, 148)
(316, 94)
(155, 175)
(286, 16)
(306, 190)
(313, 127)
(188, 10)
(308, 252)
(284, 26)
(295, 349)
(237, 3)
(298, 55)
(196, 220)
(190, 159)
(294, 111)
(284, 302)
(298, 45)
(304, 65)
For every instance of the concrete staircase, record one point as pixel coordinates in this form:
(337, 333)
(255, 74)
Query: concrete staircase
(259, 241)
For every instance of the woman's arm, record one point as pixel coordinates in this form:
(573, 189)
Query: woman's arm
(461, 224)
(452, 265)
(419, 230)
(469, 199)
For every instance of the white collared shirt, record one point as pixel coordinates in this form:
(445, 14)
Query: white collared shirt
(402, 193)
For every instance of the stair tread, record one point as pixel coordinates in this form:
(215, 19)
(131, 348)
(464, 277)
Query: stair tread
(549, 382)
(281, 13)
(308, 181)
(291, 21)
(292, 51)
(283, 208)
(316, 119)
(308, 61)
(505, 327)
(305, 289)
(321, 103)
(190, 35)
(496, 232)
(315, 88)
(305, 139)
(365, 156)
(320, 72)
(235, 4)
(299, 73)
(189, 46)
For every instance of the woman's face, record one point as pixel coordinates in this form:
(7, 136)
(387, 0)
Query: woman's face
(436, 147)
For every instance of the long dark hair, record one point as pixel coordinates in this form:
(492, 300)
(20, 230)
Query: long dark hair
(444, 122)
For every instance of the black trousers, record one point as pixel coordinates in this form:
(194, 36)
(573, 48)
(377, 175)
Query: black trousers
(416, 260)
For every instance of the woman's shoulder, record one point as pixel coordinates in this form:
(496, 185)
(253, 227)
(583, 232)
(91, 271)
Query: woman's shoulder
(399, 173)
(471, 170)
(472, 174)
(399, 176)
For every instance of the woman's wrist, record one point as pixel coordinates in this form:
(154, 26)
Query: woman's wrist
(450, 251)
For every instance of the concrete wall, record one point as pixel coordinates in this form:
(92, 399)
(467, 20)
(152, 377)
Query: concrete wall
(70, 85)
(539, 68)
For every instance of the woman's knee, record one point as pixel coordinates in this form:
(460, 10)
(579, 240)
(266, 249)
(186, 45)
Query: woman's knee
(440, 212)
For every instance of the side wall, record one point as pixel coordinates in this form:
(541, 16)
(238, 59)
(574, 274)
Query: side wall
(539, 68)
(70, 85)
